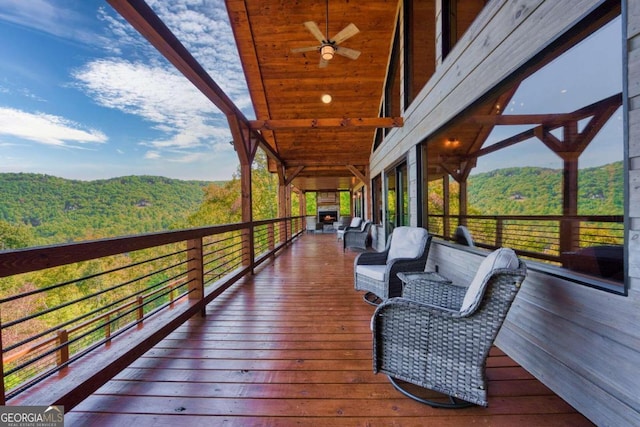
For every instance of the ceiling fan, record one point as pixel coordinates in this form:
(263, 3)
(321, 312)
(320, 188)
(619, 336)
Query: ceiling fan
(329, 47)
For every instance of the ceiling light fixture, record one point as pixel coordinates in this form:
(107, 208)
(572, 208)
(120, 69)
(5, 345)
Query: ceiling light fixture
(327, 51)
(326, 98)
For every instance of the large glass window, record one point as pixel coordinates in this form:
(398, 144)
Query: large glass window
(376, 198)
(392, 89)
(540, 168)
(457, 16)
(397, 200)
(420, 46)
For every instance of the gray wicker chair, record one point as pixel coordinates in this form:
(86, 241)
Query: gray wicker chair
(377, 272)
(354, 224)
(358, 238)
(438, 334)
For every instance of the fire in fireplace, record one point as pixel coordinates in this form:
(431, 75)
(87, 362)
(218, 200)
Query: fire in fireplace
(327, 217)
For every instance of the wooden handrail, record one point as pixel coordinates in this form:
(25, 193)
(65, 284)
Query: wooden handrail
(140, 339)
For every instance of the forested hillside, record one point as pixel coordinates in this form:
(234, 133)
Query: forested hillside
(45, 209)
(538, 191)
(40, 209)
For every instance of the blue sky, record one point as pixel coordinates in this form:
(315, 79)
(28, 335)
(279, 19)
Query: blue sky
(587, 73)
(83, 96)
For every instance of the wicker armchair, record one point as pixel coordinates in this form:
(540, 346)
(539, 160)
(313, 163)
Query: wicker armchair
(376, 272)
(354, 224)
(440, 338)
(358, 238)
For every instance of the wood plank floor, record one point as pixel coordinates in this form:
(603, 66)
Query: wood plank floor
(292, 346)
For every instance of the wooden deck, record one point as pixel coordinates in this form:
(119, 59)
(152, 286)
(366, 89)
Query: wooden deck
(292, 346)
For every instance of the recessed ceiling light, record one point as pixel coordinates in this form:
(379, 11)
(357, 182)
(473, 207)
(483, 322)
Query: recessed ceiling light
(326, 98)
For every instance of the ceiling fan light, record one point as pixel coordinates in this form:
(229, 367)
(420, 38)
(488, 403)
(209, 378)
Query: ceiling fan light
(327, 52)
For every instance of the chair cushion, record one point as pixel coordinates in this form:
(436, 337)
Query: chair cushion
(355, 222)
(375, 272)
(407, 242)
(500, 258)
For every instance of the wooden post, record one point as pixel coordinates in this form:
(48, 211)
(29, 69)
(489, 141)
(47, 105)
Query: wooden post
(569, 228)
(140, 310)
(271, 236)
(2, 396)
(107, 329)
(62, 339)
(195, 276)
(499, 231)
(247, 216)
(446, 232)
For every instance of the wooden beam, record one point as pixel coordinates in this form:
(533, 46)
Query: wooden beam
(148, 24)
(293, 174)
(550, 119)
(354, 170)
(374, 122)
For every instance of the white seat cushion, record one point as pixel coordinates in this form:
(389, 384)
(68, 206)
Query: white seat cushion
(500, 258)
(407, 242)
(375, 272)
(355, 222)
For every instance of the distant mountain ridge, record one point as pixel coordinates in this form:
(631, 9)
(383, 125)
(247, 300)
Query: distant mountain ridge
(538, 191)
(61, 209)
(56, 210)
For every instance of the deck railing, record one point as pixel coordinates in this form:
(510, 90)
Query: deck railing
(589, 244)
(60, 303)
(539, 237)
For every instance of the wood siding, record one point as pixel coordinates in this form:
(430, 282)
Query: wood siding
(581, 342)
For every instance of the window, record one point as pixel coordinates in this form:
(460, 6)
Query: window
(376, 199)
(397, 201)
(457, 16)
(553, 189)
(420, 46)
(392, 86)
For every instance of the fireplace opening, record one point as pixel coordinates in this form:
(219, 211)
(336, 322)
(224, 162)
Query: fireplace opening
(327, 217)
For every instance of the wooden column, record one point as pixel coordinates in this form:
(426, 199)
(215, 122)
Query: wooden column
(445, 206)
(195, 276)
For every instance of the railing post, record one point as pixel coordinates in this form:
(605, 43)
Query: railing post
(499, 231)
(195, 276)
(107, 329)
(172, 294)
(271, 236)
(63, 351)
(140, 310)
(2, 397)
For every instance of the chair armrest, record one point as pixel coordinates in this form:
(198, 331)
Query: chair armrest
(435, 292)
(371, 258)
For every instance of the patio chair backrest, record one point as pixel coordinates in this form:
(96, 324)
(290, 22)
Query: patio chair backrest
(355, 221)
(503, 258)
(407, 242)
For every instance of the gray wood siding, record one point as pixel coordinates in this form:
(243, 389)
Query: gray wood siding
(582, 343)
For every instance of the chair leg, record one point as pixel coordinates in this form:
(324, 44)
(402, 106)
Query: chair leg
(371, 298)
(454, 402)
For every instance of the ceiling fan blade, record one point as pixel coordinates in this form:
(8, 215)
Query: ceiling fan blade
(323, 63)
(313, 29)
(305, 49)
(348, 31)
(349, 53)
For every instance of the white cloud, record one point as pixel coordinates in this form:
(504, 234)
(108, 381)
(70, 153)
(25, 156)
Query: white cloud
(49, 17)
(152, 155)
(160, 96)
(46, 129)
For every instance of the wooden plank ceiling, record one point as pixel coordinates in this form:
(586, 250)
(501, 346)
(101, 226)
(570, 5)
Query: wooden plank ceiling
(323, 146)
